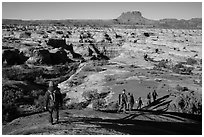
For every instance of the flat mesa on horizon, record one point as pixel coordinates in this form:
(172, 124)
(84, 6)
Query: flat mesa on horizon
(126, 18)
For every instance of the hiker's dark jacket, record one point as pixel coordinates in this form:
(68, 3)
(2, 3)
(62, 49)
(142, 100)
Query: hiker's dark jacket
(56, 94)
(130, 99)
(124, 98)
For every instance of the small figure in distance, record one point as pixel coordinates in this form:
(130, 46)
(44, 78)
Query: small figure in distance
(149, 98)
(53, 100)
(146, 57)
(154, 95)
(122, 101)
(130, 99)
(139, 106)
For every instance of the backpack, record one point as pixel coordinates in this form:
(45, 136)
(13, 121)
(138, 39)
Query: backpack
(148, 96)
(132, 98)
(123, 97)
(52, 99)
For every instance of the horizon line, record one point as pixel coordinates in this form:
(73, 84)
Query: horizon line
(90, 19)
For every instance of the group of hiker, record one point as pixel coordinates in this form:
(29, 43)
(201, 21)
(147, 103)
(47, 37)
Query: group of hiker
(126, 100)
(54, 100)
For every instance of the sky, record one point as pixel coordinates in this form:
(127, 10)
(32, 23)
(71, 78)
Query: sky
(99, 10)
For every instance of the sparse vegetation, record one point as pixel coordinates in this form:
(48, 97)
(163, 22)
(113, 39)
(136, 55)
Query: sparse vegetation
(18, 94)
(180, 88)
(113, 106)
(98, 104)
(181, 69)
(188, 103)
(110, 78)
(191, 61)
(91, 95)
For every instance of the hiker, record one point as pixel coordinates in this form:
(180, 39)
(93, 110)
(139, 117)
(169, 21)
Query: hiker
(145, 57)
(149, 98)
(122, 101)
(130, 101)
(53, 100)
(154, 95)
(139, 106)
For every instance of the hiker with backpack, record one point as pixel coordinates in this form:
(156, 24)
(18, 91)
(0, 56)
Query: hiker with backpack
(139, 106)
(154, 95)
(122, 101)
(130, 101)
(53, 100)
(149, 98)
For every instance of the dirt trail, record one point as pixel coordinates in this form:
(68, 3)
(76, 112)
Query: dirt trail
(63, 86)
(85, 122)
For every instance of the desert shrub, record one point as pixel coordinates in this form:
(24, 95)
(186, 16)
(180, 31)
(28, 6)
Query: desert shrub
(37, 93)
(180, 88)
(109, 78)
(98, 104)
(112, 106)
(191, 61)
(162, 64)
(181, 69)
(11, 95)
(40, 102)
(91, 95)
(58, 70)
(10, 98)
(10, 111)
(21, 74)
(188, 103)
(176, 69)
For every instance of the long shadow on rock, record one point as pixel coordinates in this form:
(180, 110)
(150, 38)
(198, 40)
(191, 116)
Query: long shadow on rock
(141, 127)
(158, 102)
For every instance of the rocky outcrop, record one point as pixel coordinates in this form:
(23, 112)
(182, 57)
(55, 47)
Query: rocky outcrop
(41, 56)
(61, 43)
(52, 57)
(59, 56)
(95, 53)
(57, 43)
